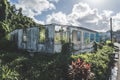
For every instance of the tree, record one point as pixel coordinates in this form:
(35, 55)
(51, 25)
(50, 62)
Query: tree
(12, 18)
(3, 9)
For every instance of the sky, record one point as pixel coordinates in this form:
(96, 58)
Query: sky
(91, 14)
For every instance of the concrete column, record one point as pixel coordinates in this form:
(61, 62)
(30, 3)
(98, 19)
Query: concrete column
(20, 37)
(89, 36)
(82, 38)
(50, 31)
(70, 35)
(94, 36)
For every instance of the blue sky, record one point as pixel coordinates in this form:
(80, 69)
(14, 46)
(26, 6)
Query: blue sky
(93, 14)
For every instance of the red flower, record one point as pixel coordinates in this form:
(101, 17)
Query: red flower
(83, 63)
(73, 63)
(78, 60)
(87, 66)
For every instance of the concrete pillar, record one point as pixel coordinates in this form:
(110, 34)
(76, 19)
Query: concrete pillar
(32, 39)
(70, 34)
(20, 37)
(89, 36)
(82, 38)
(50, 31)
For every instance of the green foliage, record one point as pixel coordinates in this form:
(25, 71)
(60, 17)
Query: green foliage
(57, 38)
(95, 46)
(66, 48)
(80, 70)
(99, 61)
(61, 37)
(42, 35)
(5, 26)
(65, 38)
(87, 40)
(12, 18)
(2, 31)
(3, 9)
(39, 67)
(53, 67)
(9, 74)
(6, 44)
(108, 42)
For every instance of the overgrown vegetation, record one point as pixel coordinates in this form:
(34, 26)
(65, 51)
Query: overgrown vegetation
(11, 19)
(80, 70)
(39, 67)
(99, 61)
(52, 67)
(42, 35)
(20, 66)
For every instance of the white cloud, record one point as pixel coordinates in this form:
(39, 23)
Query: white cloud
(32, 8)
(80, 9)
(54, 1)
(116, 21)
(83, 15)
(38, 21)
(107, 13)
(57, 18)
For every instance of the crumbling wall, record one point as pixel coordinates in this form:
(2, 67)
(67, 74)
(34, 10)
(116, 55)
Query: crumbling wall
(28, 39)
(50, 39)
(32, 39)
(20, 36)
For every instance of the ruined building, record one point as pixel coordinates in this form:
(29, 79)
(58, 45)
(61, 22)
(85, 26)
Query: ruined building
(48, 38)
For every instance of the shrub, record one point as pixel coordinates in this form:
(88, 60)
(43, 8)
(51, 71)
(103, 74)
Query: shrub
(80, 70)
(95, 48)
(9, 74)
(109, 43)
(99, 61)
(54, 67)
(66, 48)
(7, 45)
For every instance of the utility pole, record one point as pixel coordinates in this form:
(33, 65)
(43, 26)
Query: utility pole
(111, 31)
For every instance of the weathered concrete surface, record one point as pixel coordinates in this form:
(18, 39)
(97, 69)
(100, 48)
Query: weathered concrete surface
(28, 39)
(114, 73)
(32, 36)
(50, 39)
(118, 73)
(32, 39)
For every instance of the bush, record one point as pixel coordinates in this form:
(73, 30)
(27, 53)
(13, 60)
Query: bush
(66, 48)
(80, 70)
(99, 60)
(53, 67)
(39, 67)
(95, 48)
(9, 74)
(7, 45)
(109, 43)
